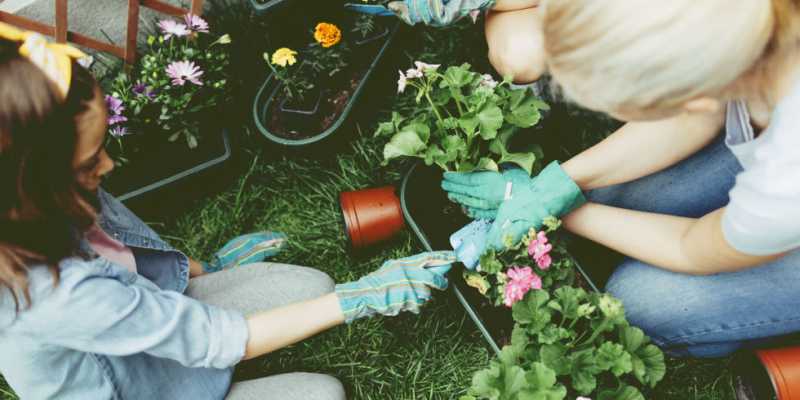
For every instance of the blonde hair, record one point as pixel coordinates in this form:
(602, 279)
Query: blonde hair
(618, 55)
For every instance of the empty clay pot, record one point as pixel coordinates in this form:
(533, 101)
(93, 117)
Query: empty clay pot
(768, 374)
(371, 215)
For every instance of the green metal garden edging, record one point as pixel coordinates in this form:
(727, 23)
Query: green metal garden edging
(423, 239)
(262, 102)
(263, 8)
(182, 174)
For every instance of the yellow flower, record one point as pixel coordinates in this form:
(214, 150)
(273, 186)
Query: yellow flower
(327, 34)
(284, 56)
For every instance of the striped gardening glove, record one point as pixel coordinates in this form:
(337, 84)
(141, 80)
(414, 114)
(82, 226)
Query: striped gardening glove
(436, 13)
(399, 285)
(246, 249)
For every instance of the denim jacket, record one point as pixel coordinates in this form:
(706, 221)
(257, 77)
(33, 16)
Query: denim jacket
(104, 332)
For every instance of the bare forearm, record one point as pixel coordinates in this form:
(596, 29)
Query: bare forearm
(686, 245)
(642, 148)
(195, 269)
(275, 329)
(513, 5)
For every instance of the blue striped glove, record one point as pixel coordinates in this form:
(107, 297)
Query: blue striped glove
(436, 13)
(246, 249)
(399, 285)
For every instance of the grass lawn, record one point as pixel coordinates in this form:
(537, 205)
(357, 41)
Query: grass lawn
(429, 356)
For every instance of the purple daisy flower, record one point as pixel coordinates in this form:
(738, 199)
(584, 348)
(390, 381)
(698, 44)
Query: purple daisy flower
(119, 131)
(115, 109)
(171, 28)
(140, 89)
(195, 23)
(182, 71)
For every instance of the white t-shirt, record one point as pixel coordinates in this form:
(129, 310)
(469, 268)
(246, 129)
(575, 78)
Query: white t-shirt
(763, 216)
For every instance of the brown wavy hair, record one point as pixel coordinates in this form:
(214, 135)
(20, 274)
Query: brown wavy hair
(43, 209)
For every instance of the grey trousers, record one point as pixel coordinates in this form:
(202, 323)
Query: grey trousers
(262, 286)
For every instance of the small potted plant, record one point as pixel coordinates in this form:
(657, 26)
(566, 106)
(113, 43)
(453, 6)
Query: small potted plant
(328, 67)
(161, 128)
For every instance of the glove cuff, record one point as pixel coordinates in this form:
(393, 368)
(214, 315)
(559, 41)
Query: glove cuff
(561, 194)
(351, 301)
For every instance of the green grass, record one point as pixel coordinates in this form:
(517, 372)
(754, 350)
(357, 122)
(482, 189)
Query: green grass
(428, 356)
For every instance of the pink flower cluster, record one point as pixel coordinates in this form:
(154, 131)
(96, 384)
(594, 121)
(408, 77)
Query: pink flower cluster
(193, 24)
(520, 281)
(539, 250)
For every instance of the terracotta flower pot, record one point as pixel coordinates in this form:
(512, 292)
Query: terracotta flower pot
(371, 215)
(769, 374)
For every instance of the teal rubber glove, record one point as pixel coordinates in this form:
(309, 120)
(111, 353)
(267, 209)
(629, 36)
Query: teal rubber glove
(437, 13)
(482, 193)
(246, 249)
(552, 193)
(398, 285)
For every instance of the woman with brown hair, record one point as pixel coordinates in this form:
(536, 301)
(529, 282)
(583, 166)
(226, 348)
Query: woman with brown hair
(709, 220)
(94, 304)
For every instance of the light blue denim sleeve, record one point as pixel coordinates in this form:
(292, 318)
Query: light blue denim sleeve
(100, 308)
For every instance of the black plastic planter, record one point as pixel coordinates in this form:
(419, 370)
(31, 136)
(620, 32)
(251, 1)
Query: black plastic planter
(433, 218)
(144, 183)
(298, 117)
(268, 95)
(262, 8)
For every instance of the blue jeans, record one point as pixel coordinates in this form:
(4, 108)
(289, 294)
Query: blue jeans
(701, 316)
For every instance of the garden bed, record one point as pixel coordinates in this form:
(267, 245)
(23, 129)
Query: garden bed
(433, 218)
(338, 97)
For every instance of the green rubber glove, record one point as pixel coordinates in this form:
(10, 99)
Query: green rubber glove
(246, 249)
(482, 193)
(398, 285)
(552, 193)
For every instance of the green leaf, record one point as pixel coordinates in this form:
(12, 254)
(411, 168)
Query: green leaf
(458, 76)
(584, 371)
(489, 263)
(519, 338)
(422, 130)
(531, 311)
(541, 384)
(524, 109)
(404, 143)
(499, 145)
(490, 119)
(648, 365)
(631, 338)
(454, 146)
(568, 299)
(624, 392)
(488, 164)
(613, 357)
(552, 355)
(469, 123)
(552, 334)
(524, 160)
(435, 155)
(486, 382)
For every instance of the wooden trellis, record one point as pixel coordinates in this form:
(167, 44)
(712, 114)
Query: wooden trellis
(62, 34)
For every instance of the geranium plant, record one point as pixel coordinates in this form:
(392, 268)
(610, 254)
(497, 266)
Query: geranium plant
(566, 342)
(181, 75)
(463, 120)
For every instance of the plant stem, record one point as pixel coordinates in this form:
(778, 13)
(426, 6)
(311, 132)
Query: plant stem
(433, 106)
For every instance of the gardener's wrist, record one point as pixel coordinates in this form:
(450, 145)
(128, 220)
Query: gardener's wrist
(560, 194)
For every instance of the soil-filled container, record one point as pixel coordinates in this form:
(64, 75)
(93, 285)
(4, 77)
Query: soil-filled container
(433, 218)
(155, 176)
(262, 7)
(770, 374)
(371, 216)
(340, 96)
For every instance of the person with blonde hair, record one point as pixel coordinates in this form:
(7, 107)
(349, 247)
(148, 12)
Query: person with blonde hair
(709, 221)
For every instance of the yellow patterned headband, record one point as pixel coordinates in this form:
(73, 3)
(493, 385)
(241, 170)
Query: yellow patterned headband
(54, 59)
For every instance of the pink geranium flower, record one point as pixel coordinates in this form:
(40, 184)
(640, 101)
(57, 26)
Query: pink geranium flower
(171, 28)
(520, 282)
(183, 71)
(539, 251)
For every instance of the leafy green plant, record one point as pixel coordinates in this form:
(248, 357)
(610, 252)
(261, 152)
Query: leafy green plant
(566, 342)
(572, 343)
(293, 75)
(181, 75)
(462, 121)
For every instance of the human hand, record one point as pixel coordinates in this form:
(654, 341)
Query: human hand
(399, 285)
(436, 13)
(482, 193)
(246, 249)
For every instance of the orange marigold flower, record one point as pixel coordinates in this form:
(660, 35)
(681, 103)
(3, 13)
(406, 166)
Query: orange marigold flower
(327, 34)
